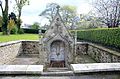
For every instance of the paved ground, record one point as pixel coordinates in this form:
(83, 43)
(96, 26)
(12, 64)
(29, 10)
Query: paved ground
(84, 59)
(28, 60)
(65, 77)
(24, 61)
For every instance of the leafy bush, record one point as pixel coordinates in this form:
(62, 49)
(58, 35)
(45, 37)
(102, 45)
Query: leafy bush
(109, 37)
(21, 31)
(32, 31)
(14, 30)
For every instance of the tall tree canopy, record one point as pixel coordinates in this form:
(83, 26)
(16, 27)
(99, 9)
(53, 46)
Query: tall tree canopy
(19, 5)
(35, 25)
(108, 11)
(5, 17)
(50, 11)
(67, 12)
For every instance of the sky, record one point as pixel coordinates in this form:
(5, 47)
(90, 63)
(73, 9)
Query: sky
(30, 13)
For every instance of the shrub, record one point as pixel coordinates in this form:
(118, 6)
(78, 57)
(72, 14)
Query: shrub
(14, 30)
(109, 37)
(21, 31)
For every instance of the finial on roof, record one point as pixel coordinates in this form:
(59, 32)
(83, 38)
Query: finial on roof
(58, 7)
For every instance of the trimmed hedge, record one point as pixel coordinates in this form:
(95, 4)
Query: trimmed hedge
(109, 37)
(32, 31)
(0, 29)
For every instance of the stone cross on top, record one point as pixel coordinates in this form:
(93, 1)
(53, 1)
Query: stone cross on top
(58, 7)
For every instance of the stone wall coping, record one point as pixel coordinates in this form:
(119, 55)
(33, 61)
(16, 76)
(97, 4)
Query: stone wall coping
(21, 69)
(95, 67)
(9, 43)
(82, 43)
(14, 42)
(29, 40)
(105, 49)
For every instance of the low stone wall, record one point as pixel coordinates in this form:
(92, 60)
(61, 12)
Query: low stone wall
(30, 47)
(98, 53)
(102, 54)
(9, 51)
(81, 48)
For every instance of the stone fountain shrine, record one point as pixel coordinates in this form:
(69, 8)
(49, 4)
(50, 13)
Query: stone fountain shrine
(56, 46)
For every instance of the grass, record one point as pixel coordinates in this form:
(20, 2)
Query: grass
(6, 38)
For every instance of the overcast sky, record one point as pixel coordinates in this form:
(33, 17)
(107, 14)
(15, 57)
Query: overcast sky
(30, 12)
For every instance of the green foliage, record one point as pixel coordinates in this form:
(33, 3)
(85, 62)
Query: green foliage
(35, 26)
(14, 30)
(109, 37)
(69, 8)
(68, 13)
(11, 25)
(20, 31)
(32, 31)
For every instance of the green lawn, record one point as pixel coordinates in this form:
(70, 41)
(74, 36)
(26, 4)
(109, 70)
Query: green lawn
(6, 38)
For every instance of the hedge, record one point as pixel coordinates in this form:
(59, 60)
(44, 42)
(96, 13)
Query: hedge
(109, 37)
(0, 29)
(32, 31)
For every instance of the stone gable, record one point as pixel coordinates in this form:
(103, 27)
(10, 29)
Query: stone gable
(57, 42)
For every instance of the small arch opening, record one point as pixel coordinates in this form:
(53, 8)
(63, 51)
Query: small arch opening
(57, 54)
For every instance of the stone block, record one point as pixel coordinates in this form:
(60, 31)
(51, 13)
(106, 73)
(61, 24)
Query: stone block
(20, 69)
(95, 67)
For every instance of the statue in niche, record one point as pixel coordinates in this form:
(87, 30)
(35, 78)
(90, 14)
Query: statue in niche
(57, 52)
(53, 55)
(58, 26)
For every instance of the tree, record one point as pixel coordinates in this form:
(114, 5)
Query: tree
(19, 5)
(1, 22)
(13, 17)
(108, 11)
(5, 17)
(11, 25)
(50, 11)
(88, 21)
(68, 12)
(35, 26)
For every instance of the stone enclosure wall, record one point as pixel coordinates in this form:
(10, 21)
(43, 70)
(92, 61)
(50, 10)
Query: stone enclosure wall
(98, 53)
(10, 50)
(30, 48)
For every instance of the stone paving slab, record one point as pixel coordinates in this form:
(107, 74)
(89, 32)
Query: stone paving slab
(24, 61)
(34, 69)
(21, 69)
(95, 67)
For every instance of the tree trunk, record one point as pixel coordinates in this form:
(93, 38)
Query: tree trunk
(19, 20)
(5, 19)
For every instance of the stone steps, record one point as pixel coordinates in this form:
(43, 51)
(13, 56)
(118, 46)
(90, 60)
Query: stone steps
(58, 72)
(63, 73)
(58, 69)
